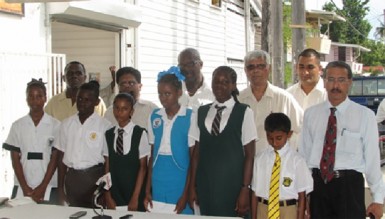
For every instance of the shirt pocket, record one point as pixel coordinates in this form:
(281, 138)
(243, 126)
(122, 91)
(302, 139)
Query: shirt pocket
(94, 139)
(287, 181)
(351, 143)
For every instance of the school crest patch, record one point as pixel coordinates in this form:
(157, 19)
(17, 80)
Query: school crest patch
(93, 136)
(156, 123)
(287, 181)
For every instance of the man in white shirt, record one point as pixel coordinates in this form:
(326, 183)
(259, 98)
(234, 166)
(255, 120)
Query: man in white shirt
(129, 81)
(339, 188)
(265, 98)
(196, 92)
(310, 89)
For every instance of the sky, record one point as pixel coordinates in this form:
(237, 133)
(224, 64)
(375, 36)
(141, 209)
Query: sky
(375, 15)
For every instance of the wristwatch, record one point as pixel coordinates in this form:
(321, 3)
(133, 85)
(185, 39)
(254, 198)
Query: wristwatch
(247, 186)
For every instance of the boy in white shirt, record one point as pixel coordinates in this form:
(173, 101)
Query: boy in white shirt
(280, 175)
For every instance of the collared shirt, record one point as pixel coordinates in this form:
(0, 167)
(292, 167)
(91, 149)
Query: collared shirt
(315, 96)
(165, 143)
(144, 146)
(357, 141)
(274, 100)
(294, 178)
(202, 96)
(143, 110)
(380, 116)
(249, 132)
(27, 137)
(82, 144)
(60, 107)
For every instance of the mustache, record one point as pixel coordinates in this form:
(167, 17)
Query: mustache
(336, 90)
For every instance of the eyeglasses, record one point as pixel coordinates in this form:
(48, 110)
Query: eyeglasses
(339, 80)
(257, 66)
(188, 65)
(127, 83)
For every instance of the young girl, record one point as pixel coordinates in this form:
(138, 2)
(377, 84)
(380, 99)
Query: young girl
(81, 149)
(31, 142)
(127, 147)
(171, 148)
(222, 164)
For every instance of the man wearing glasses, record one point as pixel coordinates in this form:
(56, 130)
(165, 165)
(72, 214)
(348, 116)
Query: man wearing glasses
(129, 81)
(195, 90)
(339, 141)
(265, 98)
(310, 89)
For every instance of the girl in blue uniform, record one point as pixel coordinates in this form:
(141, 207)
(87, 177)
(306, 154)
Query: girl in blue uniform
(171, 147)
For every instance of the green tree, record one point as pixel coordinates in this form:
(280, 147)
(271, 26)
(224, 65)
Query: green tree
(356, 28)
(376, 56)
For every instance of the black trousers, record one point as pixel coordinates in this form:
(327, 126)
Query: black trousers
(342, 197)
(80, 185)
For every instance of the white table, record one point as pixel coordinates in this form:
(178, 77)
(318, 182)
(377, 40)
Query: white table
(41, 211)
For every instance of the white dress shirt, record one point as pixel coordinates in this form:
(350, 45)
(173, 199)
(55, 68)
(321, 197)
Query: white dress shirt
(274, 100)
(202, 96)
(249, 132)
(315, 96)
(294, 178)
(144, 146)
(82, 144)
(380, 116)
(357, 141)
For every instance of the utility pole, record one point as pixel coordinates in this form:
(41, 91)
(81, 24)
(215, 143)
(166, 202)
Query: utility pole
(277, 67)
(298, 34)
(265, 25)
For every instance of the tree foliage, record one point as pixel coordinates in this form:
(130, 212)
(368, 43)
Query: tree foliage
(356, 28)
(376, 56)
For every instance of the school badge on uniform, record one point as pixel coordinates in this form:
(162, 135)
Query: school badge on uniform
(156, 123)
(93, 136)
(287, 181)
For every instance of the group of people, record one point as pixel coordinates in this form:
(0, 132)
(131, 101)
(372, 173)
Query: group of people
(264, 152)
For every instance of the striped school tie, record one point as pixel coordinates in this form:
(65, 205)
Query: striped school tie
(217, 120)
(273, 206)
(119, 142)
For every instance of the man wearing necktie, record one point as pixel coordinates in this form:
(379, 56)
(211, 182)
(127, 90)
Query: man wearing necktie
(340, 144)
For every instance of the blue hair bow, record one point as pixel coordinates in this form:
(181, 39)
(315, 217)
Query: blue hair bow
(173, 70)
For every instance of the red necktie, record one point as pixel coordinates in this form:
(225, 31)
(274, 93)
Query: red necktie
(328, 153)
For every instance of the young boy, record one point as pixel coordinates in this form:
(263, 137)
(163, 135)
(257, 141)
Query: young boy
(281, 178)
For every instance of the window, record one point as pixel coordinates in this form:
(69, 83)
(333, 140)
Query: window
(217, 3)
(342, 54)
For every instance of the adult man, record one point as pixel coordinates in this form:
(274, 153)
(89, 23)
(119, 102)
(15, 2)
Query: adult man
(63, 105)
(340, 143)
(129, 81)
(265, 98)
(195, 91)
(310, 89)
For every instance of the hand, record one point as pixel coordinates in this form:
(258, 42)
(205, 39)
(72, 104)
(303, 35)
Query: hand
(133, 205)
(27, 191)
(243, 202)
(181, 204)
(147, 201)
(192, 197)
(375, 209)
(38, 193)
(62, 196)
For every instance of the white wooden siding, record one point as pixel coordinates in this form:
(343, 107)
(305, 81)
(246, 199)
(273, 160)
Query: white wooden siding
(95, 48)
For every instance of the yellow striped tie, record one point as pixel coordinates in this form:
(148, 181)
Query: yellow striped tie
(273, 207)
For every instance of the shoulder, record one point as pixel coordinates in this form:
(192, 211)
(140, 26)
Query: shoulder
(292, 89)
(147, 103)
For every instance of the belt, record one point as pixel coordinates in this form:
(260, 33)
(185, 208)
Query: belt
(337, 173)
(288, 202)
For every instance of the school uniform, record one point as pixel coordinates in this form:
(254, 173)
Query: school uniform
(135, 147)
(171, 157)
(219, 175)
(82, 145)
(295, 177)
(35, 145)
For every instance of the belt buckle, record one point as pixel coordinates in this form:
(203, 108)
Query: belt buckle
(337, 174)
